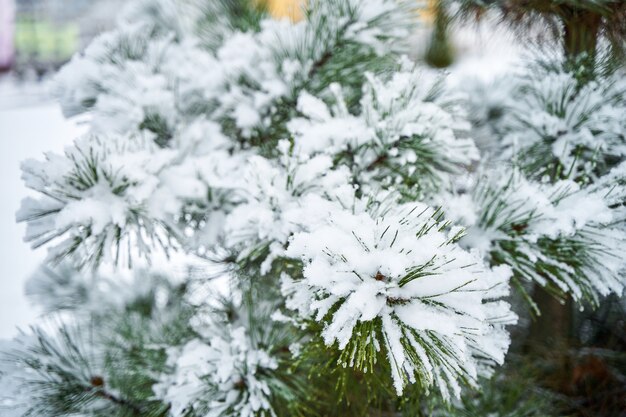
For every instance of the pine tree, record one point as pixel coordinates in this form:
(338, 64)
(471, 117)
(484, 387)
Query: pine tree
(274, 218)
(555, 108)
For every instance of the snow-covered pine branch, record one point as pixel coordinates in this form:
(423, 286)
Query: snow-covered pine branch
(282, 197)
(397, 287)
(104, 359)
(104, 199)
(562, 236)
(221, 378)
(557, 126)
(408, 135)
(337, 42)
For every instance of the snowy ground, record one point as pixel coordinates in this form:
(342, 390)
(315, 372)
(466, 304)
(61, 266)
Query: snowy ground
(30, 124)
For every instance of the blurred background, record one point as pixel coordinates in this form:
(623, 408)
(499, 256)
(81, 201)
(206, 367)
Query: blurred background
(40, 35)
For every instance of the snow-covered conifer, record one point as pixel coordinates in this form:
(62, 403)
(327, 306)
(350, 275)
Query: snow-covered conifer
(292, 219)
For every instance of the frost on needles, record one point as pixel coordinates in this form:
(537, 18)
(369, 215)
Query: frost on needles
(272, 218)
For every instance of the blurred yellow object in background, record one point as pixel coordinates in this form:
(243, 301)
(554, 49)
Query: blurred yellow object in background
(428, 12)
(291, 9)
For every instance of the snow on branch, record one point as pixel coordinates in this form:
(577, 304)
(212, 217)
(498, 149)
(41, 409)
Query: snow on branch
(560, 235)
(398, 287)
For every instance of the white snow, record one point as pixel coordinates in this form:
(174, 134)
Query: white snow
(24, 132)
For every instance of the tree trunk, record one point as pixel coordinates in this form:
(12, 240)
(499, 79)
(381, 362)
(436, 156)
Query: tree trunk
(552, 330)
(580, 37)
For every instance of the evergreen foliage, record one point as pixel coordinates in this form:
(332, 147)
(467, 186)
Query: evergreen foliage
(270, 218)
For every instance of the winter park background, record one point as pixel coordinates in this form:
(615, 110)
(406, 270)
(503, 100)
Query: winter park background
(322, 208)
